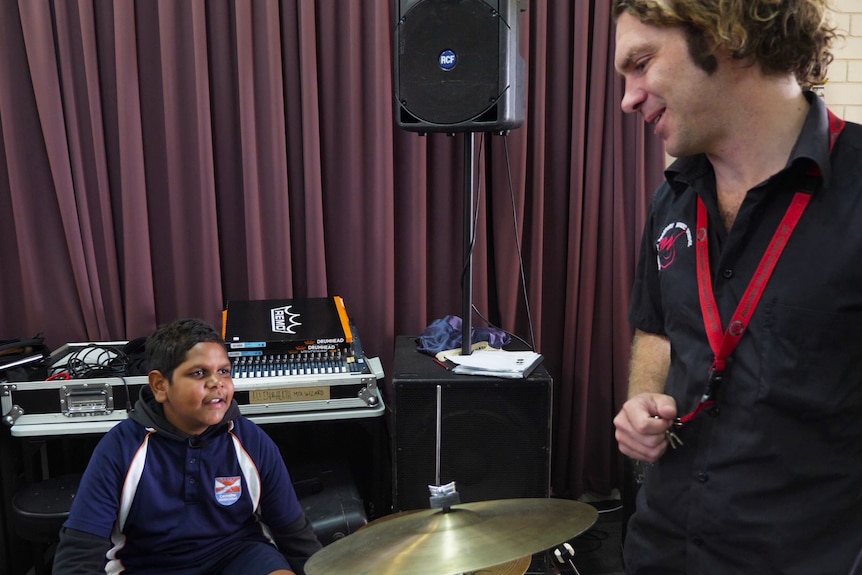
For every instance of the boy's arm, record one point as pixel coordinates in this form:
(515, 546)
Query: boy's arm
(80, 553)
(297, 542)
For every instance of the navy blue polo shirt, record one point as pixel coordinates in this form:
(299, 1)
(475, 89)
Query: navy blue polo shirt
(165, 502)
(771, 480)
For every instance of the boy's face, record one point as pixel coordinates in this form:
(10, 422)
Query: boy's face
(201, 391)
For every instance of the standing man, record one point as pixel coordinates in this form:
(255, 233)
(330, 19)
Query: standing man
(745, 393)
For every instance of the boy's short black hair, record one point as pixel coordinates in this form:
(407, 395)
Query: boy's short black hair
(169, 345)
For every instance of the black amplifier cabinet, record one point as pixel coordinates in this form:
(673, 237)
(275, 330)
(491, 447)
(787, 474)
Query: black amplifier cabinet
(495, 432)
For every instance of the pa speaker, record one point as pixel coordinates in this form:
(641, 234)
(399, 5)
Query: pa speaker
(457, 66)
(495, 434)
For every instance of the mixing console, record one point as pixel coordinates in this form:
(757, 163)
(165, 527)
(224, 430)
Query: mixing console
(312, 363)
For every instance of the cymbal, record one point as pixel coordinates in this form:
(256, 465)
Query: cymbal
(516, 567)
(463, 539)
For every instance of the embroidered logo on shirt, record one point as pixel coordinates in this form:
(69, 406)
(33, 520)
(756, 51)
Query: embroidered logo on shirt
(667, 243)
(228, 490)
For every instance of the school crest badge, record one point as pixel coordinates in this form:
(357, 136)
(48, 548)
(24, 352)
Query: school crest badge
(228, 490)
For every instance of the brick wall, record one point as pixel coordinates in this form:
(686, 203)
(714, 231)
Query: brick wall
(843, 89)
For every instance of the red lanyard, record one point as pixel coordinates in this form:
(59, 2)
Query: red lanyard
(724, 342)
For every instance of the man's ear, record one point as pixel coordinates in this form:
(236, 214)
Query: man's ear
(159, 385)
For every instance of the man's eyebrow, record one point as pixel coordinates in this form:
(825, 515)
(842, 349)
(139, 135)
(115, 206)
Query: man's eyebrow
(628, 62)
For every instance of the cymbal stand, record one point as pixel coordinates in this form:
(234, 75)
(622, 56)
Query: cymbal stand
(442, 496)
(566, 553)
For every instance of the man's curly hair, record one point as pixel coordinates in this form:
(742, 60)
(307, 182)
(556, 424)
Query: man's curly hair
(782, 36)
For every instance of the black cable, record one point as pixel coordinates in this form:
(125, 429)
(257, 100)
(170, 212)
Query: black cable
(94, 360)
(489, 323)
(518, 246)
(589, 542)
(532, 343)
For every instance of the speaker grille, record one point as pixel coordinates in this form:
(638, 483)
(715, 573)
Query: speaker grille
(457, 66)
(495, 439)
(470, 30)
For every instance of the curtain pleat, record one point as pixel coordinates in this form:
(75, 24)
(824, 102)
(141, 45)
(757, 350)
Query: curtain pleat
(123, 121)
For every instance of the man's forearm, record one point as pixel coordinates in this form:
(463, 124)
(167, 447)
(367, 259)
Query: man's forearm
(650, 363)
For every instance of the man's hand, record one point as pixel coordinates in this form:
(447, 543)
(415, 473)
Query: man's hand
(641, 425)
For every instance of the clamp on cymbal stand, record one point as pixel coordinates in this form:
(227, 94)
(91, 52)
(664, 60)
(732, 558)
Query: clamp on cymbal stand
(442, 496)
(565, 554)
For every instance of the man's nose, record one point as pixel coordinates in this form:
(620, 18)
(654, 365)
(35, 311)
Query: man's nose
(632, 100)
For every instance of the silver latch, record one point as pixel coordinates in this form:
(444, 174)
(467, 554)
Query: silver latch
(368, 394)
(86, 399)
(12, 415)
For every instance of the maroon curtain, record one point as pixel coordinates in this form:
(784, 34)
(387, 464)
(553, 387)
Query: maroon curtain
(161, 157)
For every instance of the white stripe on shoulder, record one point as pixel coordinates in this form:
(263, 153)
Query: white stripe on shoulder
(133, 478)
(130, 487)
(249, 470)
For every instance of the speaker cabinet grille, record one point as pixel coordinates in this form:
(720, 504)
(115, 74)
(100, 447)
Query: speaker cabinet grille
(495, 433)
(457, 66)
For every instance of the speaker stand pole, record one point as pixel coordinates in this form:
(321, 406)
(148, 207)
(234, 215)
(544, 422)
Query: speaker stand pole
(468, 228)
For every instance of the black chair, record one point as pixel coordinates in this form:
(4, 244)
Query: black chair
(38, 512)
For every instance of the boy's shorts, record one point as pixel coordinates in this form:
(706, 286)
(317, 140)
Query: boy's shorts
(254, 559)
(243, 558)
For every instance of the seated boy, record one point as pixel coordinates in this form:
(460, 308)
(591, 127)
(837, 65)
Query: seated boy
(186, 485)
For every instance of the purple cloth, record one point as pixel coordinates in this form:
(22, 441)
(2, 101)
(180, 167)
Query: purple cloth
(445, 334)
